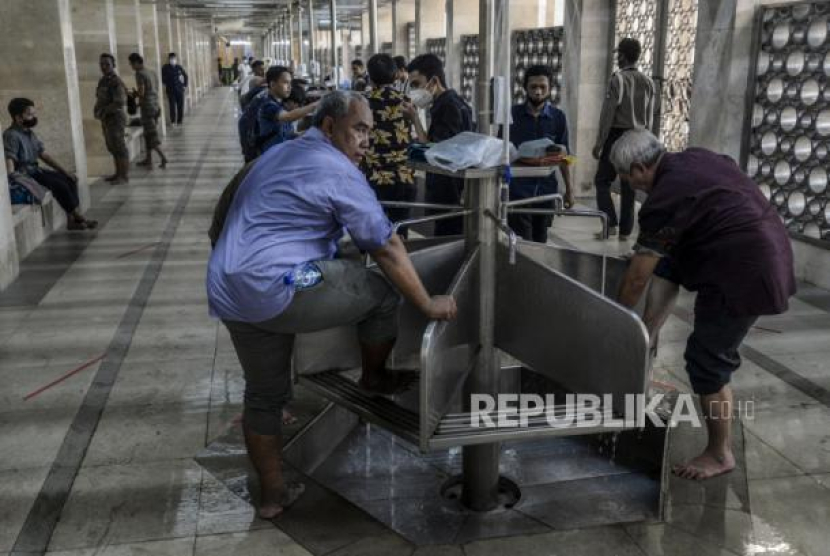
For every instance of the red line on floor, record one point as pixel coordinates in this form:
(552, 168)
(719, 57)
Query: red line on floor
(58, 380)
(134, 251)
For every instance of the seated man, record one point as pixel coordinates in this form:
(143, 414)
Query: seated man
(723, 240)
(273, 273)
(22, 150)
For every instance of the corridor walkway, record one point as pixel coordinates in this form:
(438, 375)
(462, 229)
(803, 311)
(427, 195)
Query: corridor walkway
(103, 462)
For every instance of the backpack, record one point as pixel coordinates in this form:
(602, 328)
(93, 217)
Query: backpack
(26, 191)
(249, 126)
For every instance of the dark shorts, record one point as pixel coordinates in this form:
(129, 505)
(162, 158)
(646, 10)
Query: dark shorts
(667, 270)
(712, 349)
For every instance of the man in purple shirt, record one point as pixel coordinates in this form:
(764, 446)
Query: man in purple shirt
(273, 273)
(719, 236)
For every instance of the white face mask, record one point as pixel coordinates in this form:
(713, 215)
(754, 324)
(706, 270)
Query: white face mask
(420, 98)
(173, 61)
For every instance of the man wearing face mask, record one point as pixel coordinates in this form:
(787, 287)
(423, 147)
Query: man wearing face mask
(174, 79)
(22, 150)
(536, 119)
(401, 76)
(273, 274)
(449, 115)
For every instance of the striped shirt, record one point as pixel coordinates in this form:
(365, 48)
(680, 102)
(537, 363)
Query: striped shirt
(629, 103)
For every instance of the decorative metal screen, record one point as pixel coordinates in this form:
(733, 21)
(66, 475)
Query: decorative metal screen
(678, 66)
(412, 48)
(535, 47)
(790, 121)
(469, 66)
(638, 19)
(438, 47)
(530, 47)
(673, 24)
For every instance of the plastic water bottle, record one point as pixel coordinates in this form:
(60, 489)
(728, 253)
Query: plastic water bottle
(303, 276)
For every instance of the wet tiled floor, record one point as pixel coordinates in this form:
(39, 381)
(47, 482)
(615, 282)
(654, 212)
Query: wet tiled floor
(104, 462)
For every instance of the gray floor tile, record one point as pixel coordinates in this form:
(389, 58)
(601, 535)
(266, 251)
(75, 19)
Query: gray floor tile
(121, 504)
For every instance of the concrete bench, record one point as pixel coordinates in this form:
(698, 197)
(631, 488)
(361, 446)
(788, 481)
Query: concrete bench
(135, 141)
(34, 223)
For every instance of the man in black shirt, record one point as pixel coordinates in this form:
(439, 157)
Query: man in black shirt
(174, 79)
(449, 115)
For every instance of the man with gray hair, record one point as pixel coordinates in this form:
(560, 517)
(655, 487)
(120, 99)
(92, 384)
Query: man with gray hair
(707, 226)
(273, 273)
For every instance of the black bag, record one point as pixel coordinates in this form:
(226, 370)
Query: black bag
(132, 105)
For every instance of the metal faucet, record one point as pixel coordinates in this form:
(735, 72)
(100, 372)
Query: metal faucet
(512, 238)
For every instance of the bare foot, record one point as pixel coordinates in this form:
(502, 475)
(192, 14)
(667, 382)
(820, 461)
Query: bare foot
(288, 417)
(275, 503)
(705, 466)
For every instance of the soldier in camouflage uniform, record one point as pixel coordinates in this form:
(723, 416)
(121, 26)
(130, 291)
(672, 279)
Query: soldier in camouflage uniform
(111, 97)
(148, 100)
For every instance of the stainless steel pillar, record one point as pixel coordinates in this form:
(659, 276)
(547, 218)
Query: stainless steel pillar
(449, 57)
(481, 463)
(417, 29)
(333, 9)
(291, 41)
(312, 43)
(394, 27)
(373, 27)
(300, 44)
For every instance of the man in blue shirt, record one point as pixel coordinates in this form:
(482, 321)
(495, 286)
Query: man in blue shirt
(285, 219)
(538, 118)
(274, 119)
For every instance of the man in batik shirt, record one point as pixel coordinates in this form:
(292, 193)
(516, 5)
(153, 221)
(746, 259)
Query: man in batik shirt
(385, 164)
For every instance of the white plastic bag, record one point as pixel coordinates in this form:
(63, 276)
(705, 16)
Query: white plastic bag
(468, 150)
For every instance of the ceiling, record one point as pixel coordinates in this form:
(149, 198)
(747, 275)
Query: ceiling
(256, 16)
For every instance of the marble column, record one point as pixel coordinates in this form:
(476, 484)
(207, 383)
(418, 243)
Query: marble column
(431, 23)
(9, 264)
(43, 69)
(93, 25)
(165, 31)
(722, 52)
(152, 55)
(384, 25)
(588, 35)
(406, 15)
(129, 36)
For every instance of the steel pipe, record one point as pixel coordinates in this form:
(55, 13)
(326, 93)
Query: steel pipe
(558, 200)
(570, 212)
(333, 31)
(432, 218)
(512, 237)
(408, 204)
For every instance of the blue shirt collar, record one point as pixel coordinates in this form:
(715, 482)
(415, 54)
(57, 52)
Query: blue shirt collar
(547, 109)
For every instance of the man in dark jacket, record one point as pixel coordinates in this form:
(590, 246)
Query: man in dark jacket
(174, 79)
(711, 230)
(449, 116)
